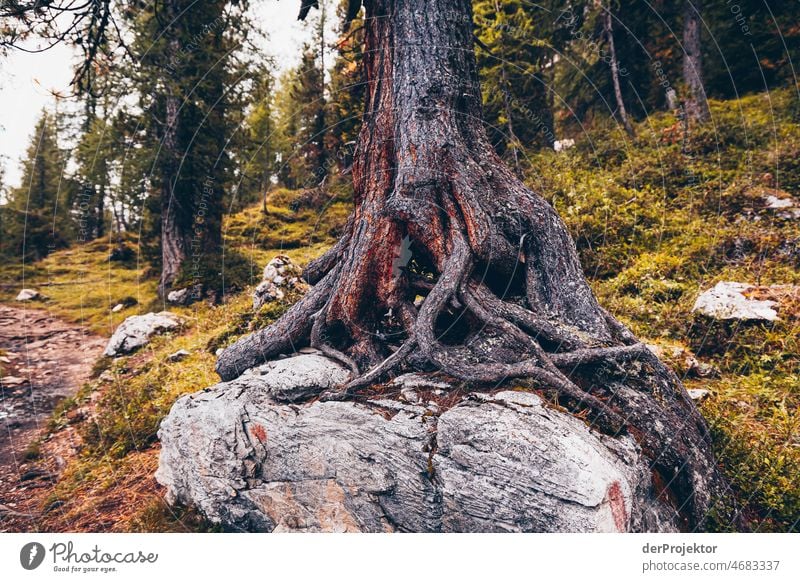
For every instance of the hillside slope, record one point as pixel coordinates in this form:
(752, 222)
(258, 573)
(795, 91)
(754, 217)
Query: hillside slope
(656, 220)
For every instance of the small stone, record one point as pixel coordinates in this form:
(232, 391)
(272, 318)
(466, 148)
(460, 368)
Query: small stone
(28, 295)
(178, 356)
(106, 376)
(298, 378)
(178, 296)
(698, 393)
(117, 308)
(280, 275)
(775, 203)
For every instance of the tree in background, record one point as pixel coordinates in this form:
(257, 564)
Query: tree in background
(514, 65)
(696, 104)
(95, 156)
(756, 46)
(37, 218)
(307, 89)
(608, 28)
(347, 89)
(184, 84)
(258, 161)
(287, 127)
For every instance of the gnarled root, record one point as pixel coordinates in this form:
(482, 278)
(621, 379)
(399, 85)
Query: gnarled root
(486, 324)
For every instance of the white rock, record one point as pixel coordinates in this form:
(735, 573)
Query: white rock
(563, 144)
(727, 301)
(297, 378)
(698, 393)
(503, 463)
(28, 295)
(178, 296)
(775, 203)
(136, 331)
(117, 308)
(266, 292)
(178, 356)
(280, 275)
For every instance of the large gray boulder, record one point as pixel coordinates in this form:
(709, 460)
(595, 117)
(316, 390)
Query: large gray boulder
(491, 463)
(136, 331)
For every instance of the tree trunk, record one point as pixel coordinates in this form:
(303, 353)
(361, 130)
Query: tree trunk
(101, 209)
(623, 113)
(696, 103)
(174, 246)
(503, 294)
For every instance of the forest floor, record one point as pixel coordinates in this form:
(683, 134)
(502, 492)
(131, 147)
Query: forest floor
(44, 361)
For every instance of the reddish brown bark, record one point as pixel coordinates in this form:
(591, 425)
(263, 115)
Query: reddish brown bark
(503, 292)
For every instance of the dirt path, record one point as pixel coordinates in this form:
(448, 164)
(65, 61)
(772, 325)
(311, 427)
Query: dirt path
(42, 361)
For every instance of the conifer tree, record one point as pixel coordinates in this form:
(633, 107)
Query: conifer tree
(37, 219)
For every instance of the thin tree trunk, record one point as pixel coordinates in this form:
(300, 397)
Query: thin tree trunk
(696, 102)
(623, 113)
(173, 246)
(504, 294)
(101, 210)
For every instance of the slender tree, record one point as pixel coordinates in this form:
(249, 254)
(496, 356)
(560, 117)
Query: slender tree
(503, 295)
(696, 103)
(260, 151)
(622, 112)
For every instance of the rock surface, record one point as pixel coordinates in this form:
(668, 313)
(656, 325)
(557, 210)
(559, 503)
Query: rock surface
(280, 275)
(781, 202)
(727, 300)
(28, 295)
(491, 463)
(136, 331)
(178, 296)
(179, 355)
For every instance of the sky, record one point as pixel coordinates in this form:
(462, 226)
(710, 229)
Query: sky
(28, 81)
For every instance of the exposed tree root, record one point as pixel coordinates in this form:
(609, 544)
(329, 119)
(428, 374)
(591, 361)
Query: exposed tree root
(495, 274)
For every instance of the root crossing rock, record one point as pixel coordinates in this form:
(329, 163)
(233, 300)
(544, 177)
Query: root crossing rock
(491, 463)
